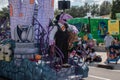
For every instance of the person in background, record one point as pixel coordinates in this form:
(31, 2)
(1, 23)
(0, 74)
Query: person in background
(90, 37)
(84, 41)
(116, 46)
(91, 43)
(112, 53)
(108, 42)
(116, 43)
(91, 56)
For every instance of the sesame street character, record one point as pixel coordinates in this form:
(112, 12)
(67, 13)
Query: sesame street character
(62, 34)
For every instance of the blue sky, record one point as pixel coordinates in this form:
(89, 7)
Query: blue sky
(4, 3)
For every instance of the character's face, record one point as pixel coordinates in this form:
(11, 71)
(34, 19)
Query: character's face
(64, 17)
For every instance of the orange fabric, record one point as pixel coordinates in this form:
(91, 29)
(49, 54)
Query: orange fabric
(63, 28)
(52, 3)
(32, 1)
(11, 10)
(85, 37)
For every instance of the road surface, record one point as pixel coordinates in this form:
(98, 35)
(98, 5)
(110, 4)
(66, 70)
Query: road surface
(103, 74)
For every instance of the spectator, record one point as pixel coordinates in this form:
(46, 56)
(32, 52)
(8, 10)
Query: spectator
(108, 42)
(90, 37)
(91, 56)
(85, 39)
(91, 43)
(116, 43)
(112, 53)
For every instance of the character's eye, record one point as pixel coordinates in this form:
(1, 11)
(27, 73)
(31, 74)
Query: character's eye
(64, 20)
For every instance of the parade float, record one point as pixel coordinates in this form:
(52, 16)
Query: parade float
(32, 53)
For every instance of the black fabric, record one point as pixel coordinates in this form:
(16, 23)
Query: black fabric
(97, 59)
(61, 39)
(19, 32)
(58, 17)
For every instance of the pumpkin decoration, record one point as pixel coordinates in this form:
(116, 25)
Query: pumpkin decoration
(38, 57)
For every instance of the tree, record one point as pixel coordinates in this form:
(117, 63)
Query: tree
(105, 8)
(75, 11)
(4, 19)
(4, 14)
(81, 11)
(56, 12)
(115, 9)
(86, 8)
(95, 9)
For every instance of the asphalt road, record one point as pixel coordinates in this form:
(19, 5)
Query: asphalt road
(103, 74)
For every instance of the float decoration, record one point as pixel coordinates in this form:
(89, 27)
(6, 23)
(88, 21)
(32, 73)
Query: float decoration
(31, 31)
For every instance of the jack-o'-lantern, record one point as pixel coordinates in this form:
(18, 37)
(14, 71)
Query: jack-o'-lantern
(38, 57)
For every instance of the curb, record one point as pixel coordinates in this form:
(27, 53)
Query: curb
(105, 66)
(111, 66)
(100, 49)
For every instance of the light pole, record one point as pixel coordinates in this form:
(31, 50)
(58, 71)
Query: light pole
(89, 16)
(89, 25)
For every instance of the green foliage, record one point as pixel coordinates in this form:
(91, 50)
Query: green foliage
(4, 13)
(76, 11)
(81, 11)
(56, 12)
(115, 9)
(95, 9)
(105, 8)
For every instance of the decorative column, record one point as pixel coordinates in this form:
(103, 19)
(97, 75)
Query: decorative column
(45, 13)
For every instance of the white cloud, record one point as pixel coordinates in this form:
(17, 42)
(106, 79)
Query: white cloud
(3, 3)
(89, 1)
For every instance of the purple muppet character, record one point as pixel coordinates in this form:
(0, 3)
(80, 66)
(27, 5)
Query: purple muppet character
(60, 35)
